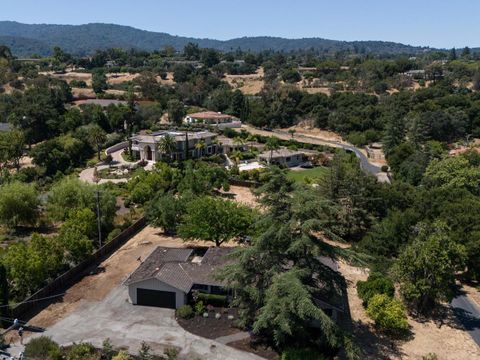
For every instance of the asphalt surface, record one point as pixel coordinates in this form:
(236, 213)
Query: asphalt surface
(468, 314)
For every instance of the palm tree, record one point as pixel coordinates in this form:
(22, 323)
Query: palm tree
(272, 144)
(236, 157)
(97, 137)
(168, 145)
(201, 146)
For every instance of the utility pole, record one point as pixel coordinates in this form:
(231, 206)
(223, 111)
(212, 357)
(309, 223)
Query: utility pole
(99, 223)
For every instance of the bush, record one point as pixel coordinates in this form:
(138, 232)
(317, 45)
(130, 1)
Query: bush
(388, 313)
(375, 284)
(113, 234)
(384, 168)
(212, 299)
(81, 351)
(42, 348)
(185, 312)
(302, 354)
(199, 308)
(122, 355)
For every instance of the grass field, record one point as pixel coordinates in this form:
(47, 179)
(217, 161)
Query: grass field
(299, 176)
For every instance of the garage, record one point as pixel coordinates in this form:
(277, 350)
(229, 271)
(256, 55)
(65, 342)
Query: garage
(158, 298)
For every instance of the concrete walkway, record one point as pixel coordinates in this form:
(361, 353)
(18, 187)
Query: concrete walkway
(128, 326)
(234, 337)
(87, 176)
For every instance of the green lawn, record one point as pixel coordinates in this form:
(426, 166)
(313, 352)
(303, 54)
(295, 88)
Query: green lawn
(299, 176)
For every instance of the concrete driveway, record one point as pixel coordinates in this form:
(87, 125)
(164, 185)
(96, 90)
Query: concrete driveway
(127, 325)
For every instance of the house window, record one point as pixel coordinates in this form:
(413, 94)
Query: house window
(217, 290)
(200, 287)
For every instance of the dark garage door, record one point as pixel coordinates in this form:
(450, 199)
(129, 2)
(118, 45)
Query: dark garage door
(147, 297)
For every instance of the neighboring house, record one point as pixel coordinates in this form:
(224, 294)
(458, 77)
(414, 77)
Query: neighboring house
(148, 146)
(211, 118)
(283, 157)
(375, 151)
(415, 74)
(168, 275)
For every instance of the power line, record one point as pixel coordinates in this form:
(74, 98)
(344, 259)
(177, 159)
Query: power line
(34, 300)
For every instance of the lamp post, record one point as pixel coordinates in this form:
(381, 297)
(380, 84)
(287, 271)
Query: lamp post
(96, 179)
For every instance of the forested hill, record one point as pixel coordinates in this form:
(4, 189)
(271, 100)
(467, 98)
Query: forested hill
(24, 40)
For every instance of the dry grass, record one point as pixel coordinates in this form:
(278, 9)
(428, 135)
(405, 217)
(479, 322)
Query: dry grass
(446, 339)
(119, 78)
(250, 84)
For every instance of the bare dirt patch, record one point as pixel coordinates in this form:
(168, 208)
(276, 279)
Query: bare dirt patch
(83, 93)
(119, 78)
(446, 339)
(243, 195)
(250, 84)
(110, 274)
(69, 76)
(307, 127)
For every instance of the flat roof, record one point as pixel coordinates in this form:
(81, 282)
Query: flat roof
(210, 115)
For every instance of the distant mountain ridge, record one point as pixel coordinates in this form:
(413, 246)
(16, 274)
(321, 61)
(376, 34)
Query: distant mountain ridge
(26, 39)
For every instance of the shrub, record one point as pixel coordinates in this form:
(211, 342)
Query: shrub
(212, 299)
(122, 355)
(81, 351)
(113, 234)
(375, 284)
(185, 312)
(302, 354)
(42, 348)
(199, 308)
(384, 168)
(388, 313)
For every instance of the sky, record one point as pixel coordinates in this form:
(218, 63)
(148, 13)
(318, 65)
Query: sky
(435, 23)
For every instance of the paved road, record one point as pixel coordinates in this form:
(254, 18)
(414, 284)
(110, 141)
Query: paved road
(365, 163)
(468, 313)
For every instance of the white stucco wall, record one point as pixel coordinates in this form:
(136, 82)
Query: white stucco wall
(154, 284)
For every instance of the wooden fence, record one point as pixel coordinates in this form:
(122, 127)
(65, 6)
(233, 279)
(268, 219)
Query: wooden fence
(30, 306)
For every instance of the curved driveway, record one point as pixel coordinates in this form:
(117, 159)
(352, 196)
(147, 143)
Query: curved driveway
(365, 163)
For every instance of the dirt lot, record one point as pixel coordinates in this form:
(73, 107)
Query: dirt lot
(69, 76)
(118, 78)
(248, 84)
(448, 341)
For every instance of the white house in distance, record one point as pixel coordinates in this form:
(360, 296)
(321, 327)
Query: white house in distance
(212, 118)
(148, 146)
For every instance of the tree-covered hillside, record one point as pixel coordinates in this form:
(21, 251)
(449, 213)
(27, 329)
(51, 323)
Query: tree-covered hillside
(25, 39)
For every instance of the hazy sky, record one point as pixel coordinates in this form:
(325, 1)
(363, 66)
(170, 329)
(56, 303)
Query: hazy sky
(437, 23)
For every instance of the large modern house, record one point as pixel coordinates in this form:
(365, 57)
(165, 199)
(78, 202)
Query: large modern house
(168, 275)
(149, 147)
(211, 118)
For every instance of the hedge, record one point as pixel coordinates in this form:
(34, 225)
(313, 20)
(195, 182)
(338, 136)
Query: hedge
(212, 299)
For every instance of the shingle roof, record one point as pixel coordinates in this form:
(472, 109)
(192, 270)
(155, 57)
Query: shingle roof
(152, 265)
(280, 153)
(171, 267)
